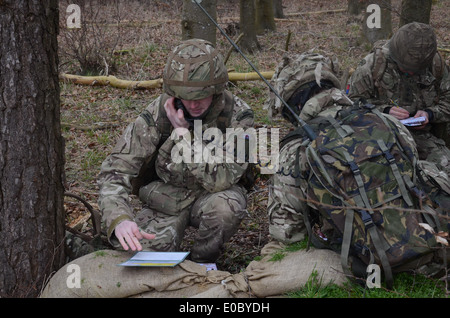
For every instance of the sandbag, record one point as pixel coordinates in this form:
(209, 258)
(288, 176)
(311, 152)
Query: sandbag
(273, 278)
(101, 277)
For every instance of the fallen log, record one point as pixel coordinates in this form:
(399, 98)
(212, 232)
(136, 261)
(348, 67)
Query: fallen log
(113, 81)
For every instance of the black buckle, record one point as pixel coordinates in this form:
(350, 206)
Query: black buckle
(366, 218)
(368, 105)
(390, 157)
(354, 167)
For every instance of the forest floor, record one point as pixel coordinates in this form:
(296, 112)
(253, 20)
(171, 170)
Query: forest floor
(150, 29)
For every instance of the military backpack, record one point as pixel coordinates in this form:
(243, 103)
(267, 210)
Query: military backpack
(367, 200)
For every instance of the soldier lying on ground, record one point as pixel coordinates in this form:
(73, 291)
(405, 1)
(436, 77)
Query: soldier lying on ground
(297, 81)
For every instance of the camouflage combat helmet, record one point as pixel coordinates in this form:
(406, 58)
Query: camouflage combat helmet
(299, 73)
(413, 46)
(194, 70)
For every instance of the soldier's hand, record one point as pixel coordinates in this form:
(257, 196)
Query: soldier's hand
(399, 113)
(421, 113)
(129, 235)
(176, 116)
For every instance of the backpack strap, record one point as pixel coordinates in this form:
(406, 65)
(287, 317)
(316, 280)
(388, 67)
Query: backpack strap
(346, 240)
(342, 130)
(359, 181)
(380, 245)
(362, 200)
(400, 181)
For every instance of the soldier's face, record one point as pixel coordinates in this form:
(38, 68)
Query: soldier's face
(197, 107)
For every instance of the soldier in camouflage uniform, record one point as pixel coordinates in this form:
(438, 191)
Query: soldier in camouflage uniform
(296, 80)
(289, 214)
(207, 195)
(407, 77)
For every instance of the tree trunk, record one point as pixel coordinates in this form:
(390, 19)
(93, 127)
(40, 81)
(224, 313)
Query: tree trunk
(264, 16)
(278, 9)
(355, 7)
(249, 42)
(196, 24)
(415, 11)
(377, 22)
(31, 147)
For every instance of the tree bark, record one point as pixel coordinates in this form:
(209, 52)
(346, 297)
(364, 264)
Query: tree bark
(278, 9)
(249, 42)
(31, 148)
(196, 24)
(384, 31)
(415, 11)
(356, 7)
(264, 16)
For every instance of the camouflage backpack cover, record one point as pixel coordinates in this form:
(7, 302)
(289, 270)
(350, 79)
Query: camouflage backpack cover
(367, 202)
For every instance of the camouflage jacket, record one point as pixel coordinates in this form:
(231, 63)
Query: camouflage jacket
(181, 182)
(325, 103)
(379, 80)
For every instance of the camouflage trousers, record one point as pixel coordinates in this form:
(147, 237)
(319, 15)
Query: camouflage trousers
(216, 215)
(432, 149)
(285, 208)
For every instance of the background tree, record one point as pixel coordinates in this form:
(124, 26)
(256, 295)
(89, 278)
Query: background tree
(264, 16)
(415, 11)
(365, 14)
(31, 147)
(249, 41)
(278, 9)
(355, 7)
(384, 30)
(195, 23)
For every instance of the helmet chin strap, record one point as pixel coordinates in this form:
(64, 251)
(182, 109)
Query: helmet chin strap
(308, 130)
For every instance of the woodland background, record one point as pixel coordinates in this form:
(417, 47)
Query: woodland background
(130, 40)
(134, 41)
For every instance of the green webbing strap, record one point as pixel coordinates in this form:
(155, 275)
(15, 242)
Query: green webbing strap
(358, 178)
(339, 129)
(377, 242)
(346, 240)
(390, 158)
(431, 217)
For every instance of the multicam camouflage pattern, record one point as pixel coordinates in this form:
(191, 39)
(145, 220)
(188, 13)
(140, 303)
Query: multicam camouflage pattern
(194, 70)
(285, 205)
(297, 70)
(173, 200)
(217, 216)
(379, 80)
(413, 46)
(286, 201)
